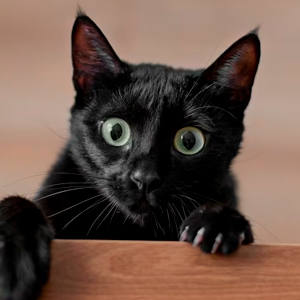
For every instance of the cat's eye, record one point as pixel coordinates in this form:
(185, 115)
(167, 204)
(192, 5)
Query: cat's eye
(116, 132)
(189, 140)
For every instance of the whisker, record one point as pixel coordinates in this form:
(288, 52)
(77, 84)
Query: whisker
(183, 202)
(56, 134)
(202, 90)
(42, 174)
(191, 203)
(66, 183)
(222, 109)
(98, 217)
(154, 218)
(116, 209)
(188, 198)
(183, 209)
(171, 209)
(174, 215)
(247, 216)
(164, 233)
(263, 227)
(192, 88)
(57, 213)
(70, 190)
(213, 53)
(179, 214)
(158, 225)
(32, 192)
(113, 206)
(78, 215)
(211, 200)
(126, 219)
(169, 221)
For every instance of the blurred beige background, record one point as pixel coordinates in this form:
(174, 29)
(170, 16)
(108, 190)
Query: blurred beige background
(36, 90)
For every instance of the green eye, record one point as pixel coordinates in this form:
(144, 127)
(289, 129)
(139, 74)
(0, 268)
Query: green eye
(189, 140)
(116, 132)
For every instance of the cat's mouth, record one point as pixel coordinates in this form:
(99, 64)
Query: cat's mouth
(142, 207)
(135, 204)
(138, 206)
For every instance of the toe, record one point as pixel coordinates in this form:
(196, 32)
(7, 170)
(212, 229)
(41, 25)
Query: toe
(183, 236)
(231, 243)
(199, 237)
(217, 243)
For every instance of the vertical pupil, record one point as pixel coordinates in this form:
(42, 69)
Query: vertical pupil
(188, 140)
(116, 132)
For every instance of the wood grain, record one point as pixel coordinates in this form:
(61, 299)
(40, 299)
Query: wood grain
(89, 270)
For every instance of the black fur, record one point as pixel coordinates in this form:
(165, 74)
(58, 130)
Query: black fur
(146, 188)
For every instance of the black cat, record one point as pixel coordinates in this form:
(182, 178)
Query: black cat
(148, 159)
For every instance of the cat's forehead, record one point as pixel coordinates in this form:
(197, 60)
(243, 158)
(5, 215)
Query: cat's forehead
(156, 97)
(155, 85)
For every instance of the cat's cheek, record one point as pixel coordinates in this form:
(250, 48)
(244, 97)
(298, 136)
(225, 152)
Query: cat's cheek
(187, 163)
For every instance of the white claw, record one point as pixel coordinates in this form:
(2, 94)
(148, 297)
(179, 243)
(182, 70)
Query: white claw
(217, 243)
(199, 237)
(242, 237)
(183, 235)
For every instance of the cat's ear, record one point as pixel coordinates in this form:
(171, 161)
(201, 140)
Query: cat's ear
(92, 54)
(236, 67)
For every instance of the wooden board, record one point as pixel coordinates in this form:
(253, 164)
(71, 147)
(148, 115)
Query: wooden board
(89, 270)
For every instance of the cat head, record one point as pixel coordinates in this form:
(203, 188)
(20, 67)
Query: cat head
(153, 137)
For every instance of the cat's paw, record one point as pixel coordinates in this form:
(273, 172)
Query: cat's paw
(25, 238)
(216, 229)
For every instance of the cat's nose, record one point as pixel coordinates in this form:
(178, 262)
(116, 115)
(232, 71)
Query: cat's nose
(146, 180)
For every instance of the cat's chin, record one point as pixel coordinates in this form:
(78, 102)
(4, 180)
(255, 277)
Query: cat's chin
(133, 212)
(137, 210)
(140, 219)
(137, 213)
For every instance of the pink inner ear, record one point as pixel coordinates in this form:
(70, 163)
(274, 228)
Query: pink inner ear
(91, 53)
(237, 66)
(244, 67)
(86, 57)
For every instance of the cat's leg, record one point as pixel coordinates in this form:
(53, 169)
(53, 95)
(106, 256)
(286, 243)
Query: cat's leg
(25, 237)
(216, 228)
